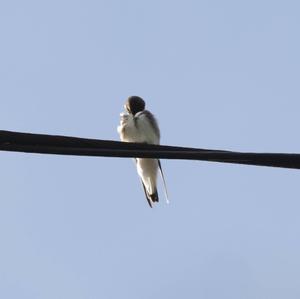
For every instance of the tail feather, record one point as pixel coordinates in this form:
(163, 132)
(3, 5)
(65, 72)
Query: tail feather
(151, 198)
(164, 181)
(154, 196)
(146, 194)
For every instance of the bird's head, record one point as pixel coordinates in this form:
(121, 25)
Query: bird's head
(134, 104)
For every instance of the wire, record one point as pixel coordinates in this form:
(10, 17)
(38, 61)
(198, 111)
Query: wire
(63, 145)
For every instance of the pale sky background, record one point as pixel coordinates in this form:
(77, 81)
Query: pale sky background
(217, 74)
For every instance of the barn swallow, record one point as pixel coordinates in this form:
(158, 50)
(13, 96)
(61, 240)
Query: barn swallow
(139, 125)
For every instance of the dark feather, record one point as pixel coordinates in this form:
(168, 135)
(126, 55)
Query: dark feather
(146, 194)
(163, 179)
(150, 197)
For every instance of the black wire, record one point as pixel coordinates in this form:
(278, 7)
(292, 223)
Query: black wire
(62, 145)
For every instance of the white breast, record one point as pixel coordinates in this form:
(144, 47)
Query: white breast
(137, 129)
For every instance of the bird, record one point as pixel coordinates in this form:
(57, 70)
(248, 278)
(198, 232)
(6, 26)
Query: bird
(139, 125)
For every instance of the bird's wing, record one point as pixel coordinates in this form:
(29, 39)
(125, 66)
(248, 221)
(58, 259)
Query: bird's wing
(164, 181)
(147, 127)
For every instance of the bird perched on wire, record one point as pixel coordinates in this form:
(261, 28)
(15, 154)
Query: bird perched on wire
(139, 125)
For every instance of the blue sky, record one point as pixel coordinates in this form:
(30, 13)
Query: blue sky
(217, 74)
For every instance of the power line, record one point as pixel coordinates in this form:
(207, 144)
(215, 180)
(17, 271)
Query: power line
(63, 145)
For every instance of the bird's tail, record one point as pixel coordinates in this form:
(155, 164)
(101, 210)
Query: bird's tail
(164, 181)
(154, 196)
(151, 198)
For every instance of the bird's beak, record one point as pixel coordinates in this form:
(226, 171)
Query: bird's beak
(126, 108)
